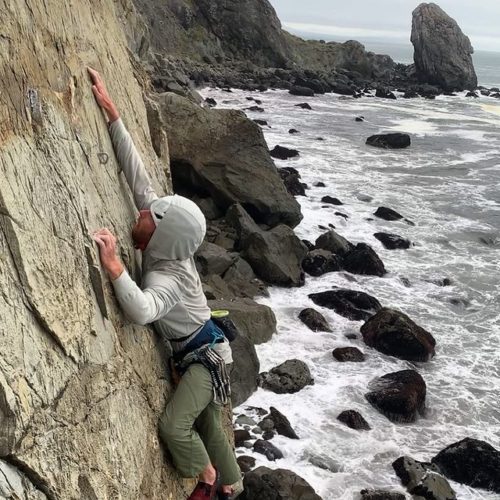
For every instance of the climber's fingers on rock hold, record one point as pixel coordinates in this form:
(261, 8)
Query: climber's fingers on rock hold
(95, 76)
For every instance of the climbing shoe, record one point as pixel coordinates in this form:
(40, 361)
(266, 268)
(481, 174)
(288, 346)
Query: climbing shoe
(204, 491)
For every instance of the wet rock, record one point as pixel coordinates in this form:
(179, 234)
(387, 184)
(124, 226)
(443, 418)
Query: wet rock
(211, 102)
(331, 200)
(256, 109)
(387, 214)
(340, 214)
(268, 449)
(287, 378)
(392, 241)
(385, 94)
(293, 131)
(423, 479)
(319, 262)
(348, 354)
(443, 54)
(472, 94)
(400, 396)
(301, 91)
(279, 423)
(262, 123)
(278, 484)
(395, 334)
(267, 435)
(240, 436)
(471, 462)
(304, 105)
(314, 320)
(283, 153)
(319, 184)
(351, 336)
(351, 304)
(363, 260)
(291, 179)
(360, 118)
(354, 420)
(333, 242)
(245, 463)
(381, 495)
(395, 140)
(308, 244)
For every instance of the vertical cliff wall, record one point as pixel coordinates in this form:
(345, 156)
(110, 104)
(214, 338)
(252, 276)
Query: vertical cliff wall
(80, 389)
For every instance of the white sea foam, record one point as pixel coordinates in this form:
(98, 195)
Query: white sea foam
(448, 190)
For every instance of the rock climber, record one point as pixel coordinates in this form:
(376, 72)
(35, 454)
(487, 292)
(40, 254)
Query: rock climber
(168, 231)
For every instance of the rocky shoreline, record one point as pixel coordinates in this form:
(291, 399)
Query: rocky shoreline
(400, 396)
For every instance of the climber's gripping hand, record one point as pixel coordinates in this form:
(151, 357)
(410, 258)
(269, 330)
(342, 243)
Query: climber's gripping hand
(102, 96)
(110, 261)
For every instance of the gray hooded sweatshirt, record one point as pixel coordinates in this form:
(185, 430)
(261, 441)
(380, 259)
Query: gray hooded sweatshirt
(170, 295)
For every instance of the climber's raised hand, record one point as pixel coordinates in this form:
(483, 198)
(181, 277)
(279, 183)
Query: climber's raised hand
(102, 96)
(106, 242)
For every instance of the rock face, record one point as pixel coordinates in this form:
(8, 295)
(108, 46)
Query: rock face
(394, 333)
(80, 387)
(287, 378)
(319, 262)
(279, 423)
(279, 484)
(471, 462)
(443, 54)
(224, 154)
(354, 420)
(400, 396)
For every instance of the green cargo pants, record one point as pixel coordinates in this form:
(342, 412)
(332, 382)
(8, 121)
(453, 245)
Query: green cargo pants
(191, 428)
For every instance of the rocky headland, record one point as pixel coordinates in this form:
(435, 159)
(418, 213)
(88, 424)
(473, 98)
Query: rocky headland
(81, 389)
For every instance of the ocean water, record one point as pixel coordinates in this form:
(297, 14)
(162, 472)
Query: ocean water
(447, 183)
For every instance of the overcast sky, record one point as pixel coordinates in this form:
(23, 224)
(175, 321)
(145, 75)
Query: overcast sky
(387, 20)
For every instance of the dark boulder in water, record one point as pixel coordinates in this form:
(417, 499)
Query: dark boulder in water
(240, 436)
(392, 241)
(331, 200)
(472, 94)
(348, 354)
(319, 184)
(304, 105)
(334, 243)
(359, 119)
(351, 304)
(291, 179)
(301, 91)
(387, 214)
(282, 153)
(246, 463)
(262, 123)
(287, 378)
(354, 420)
(381, 495)
(423, 479)
(293, 131)
(395, 334)
(314, 320)
(211, 102)
(362, 259)
(257, 109)
(268, 449)
(400, 396)
(443, 54)
(395, 140)
(471, 462)
(278, 484)
(281, 424)
(319, 262)
(385, 94)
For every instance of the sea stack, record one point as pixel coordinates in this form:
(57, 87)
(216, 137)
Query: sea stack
(443, 54)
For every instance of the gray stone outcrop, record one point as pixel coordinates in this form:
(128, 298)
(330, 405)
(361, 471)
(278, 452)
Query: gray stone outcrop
(443, 54)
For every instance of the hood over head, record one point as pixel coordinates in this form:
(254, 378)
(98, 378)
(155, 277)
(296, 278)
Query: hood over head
(180, 228)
